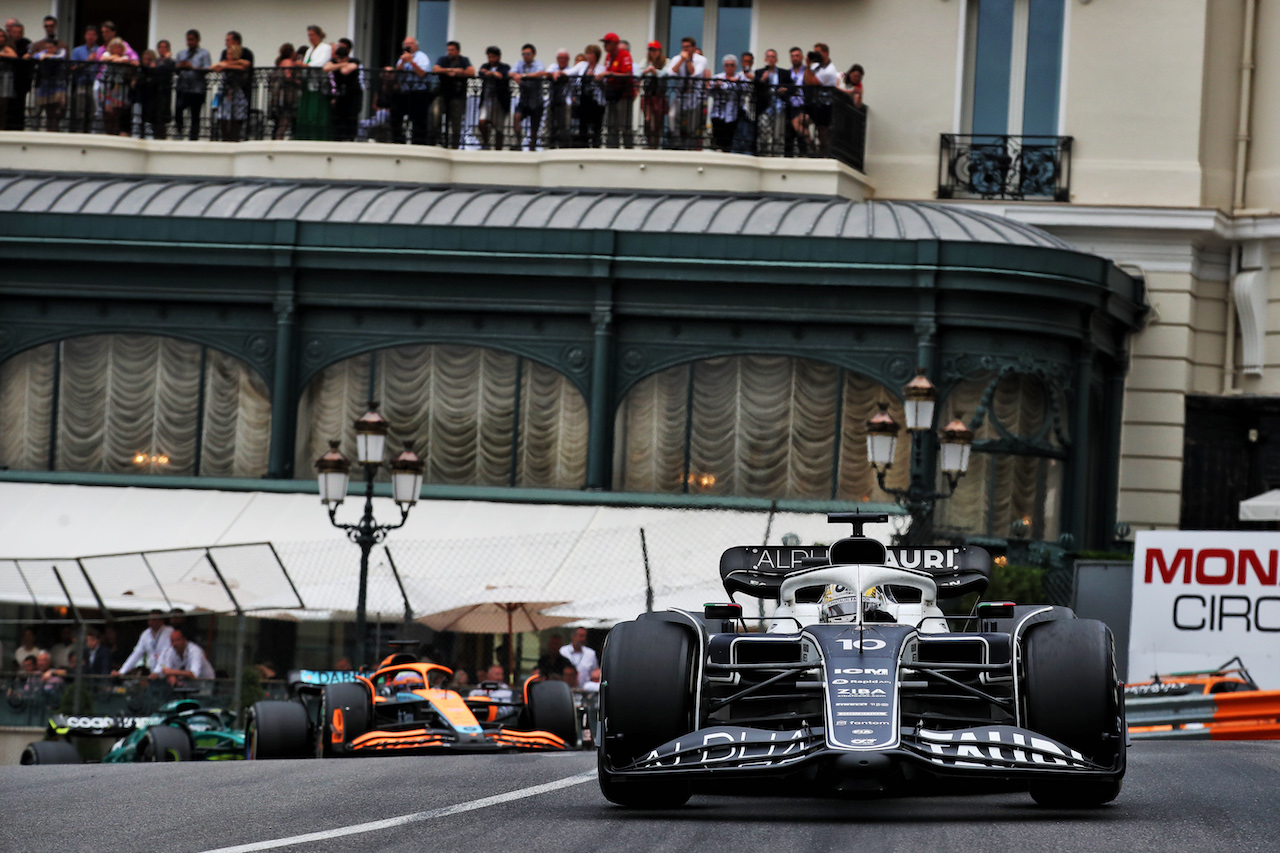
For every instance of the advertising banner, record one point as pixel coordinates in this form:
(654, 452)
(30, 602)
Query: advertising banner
(1201, 598)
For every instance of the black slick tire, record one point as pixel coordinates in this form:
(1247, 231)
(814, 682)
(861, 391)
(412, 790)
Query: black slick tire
(647, 698)
(1072, 695)
(278, 730)
(357, 711)
(551, 709)
(165, 743)
(50, 752)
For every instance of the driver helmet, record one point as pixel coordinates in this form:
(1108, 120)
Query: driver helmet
(406, 681)
(840, 604)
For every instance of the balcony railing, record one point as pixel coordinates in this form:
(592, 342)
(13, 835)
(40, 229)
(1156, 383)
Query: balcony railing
(1010, 167)
(741, 117)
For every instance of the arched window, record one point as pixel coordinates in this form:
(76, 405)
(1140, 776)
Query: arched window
(1016, 471)
(753, 425)
(128, 404)
(476, 416)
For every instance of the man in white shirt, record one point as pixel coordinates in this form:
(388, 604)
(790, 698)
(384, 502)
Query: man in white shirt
(582, 657)
(183, 661)
(688, 71)
(413, 94)
(151, 645)
(493, 686)
(820, 111)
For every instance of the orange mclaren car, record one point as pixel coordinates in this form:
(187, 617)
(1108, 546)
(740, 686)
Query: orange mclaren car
(1218, 704)
(404, 707)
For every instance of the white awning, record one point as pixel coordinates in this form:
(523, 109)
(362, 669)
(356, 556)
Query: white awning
(597, 559)
(1263, 507)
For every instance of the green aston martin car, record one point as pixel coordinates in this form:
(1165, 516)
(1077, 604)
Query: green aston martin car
(181, 730)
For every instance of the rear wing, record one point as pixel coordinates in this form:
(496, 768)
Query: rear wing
(759, 570)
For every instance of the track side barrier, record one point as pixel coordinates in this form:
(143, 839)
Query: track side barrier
(1247, 715)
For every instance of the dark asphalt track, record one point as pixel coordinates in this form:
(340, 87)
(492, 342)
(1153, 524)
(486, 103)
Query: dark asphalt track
(1177, 796)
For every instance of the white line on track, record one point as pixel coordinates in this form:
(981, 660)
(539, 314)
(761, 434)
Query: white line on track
(416, 817)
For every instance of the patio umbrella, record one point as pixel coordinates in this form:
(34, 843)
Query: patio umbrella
(496, 609)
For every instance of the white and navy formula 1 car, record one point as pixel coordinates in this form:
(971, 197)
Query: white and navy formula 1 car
(861, 684)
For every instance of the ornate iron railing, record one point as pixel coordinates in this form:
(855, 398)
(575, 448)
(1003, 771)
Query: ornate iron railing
(1012, 167)
(742, 117)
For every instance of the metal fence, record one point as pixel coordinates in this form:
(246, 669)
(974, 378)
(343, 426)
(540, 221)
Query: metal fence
(1002, 166)
(742, 117)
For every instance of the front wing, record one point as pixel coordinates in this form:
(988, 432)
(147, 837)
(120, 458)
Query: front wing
(427, 739)
(996, 752)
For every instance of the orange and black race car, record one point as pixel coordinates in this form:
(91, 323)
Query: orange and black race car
(1217, 704)
(404, 707)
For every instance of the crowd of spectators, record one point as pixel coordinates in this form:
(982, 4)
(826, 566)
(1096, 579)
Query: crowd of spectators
(163, 654)
(319, 89)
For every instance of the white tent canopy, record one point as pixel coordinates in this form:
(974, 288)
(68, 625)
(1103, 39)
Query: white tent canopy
(592, 557)
(1263, 507)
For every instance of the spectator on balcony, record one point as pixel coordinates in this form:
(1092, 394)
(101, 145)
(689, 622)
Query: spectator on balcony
(8, 66)
(590, 97)
(454, 70)
(688, 71)
(348, 93)
(495, 97)
(560, 115)
(66, 645)
(192, 64)
(28, 648)
(232, 99)
(50, 55)
(84, 106)
(282, 93)
(619, 91)
(529, 74)
(183, 661)
(851, 82)
(728, 89)
(653, 94)
(14, 116)
(109, 33)
(791, 83)
(819, 97)
(117, 79)
(151, 644)
(378, 125)
(313, 104)
(408, 93)
(97, 657)
(153, 88)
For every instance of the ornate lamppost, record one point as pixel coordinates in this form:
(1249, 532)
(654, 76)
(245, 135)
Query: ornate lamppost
(334, 471)
(919, 497)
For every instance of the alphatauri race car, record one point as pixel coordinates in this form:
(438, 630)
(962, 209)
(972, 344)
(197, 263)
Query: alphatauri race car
(181, 730)
(860, 684)
(404, 707)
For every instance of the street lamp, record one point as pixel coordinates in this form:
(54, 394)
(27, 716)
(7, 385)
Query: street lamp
(333, 470)
(920, 397)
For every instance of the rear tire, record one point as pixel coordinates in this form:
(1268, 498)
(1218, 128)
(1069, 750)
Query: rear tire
(647, 698)
(357, 710)
(165, 743)
(1072, 693)
(278, 730)
(551, 709)
(50, 752)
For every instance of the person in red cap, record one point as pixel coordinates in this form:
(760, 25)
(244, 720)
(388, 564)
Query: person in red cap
(653, 98)
(619, 91)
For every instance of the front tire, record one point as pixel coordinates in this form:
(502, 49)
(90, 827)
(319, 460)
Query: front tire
(551, 709)
(277, 730)
(1072, 692)
(356, 705)
(647, 698)
(165, 743)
